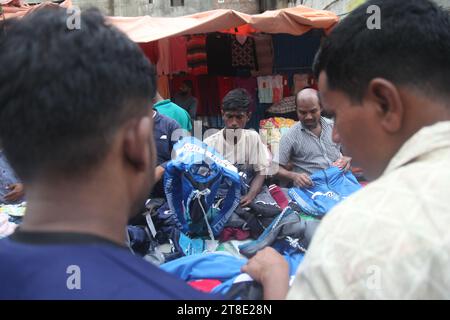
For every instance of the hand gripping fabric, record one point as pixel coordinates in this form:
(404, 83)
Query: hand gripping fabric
(331, 186)
(191, 183)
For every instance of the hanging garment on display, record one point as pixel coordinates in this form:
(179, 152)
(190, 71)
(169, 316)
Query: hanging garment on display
(163, 86)
(178, 55)
(300, 81)
(163, 65)
(196, 55)
(151, 51)
(265, 92)
(225, 85)
(277, 87)
(218, 48)
(264, 54)
(250, 84)
(208, 95)
(295, 52)
(243, 54)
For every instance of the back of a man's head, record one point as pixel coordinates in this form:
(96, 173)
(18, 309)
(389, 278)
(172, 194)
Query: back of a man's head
(64, 93)
(411, 48)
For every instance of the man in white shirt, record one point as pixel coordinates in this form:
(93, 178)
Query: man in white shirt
(243, 148)
(389, 91)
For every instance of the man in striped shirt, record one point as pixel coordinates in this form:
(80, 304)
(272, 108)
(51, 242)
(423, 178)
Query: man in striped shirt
(308, 146)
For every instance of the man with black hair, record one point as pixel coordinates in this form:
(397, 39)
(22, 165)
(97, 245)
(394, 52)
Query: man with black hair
(165, 135)
(243, 148)
(75, 114)
(172, 111)
(389, 91)
(186, 100)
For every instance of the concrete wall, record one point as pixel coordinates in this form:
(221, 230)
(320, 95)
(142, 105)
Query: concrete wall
(342, 7)
(162, 8)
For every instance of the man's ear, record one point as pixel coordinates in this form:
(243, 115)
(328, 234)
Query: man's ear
(388, 103)
(136, 143)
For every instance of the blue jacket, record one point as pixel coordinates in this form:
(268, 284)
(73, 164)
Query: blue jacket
(331, 186)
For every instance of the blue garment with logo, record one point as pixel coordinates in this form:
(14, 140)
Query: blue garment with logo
(331, 186)
(191, 184)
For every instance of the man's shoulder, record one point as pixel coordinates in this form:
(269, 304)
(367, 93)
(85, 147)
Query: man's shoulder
(170, 123)
(214, 138)
(96, 265)
(293, 134)
(179, 109)
(327, 122)
(251, 133)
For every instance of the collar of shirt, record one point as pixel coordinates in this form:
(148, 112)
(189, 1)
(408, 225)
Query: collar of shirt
(426, 140)
(161, 103)
(323, 123)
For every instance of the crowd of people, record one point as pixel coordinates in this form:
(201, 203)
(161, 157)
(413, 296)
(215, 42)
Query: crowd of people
(88, 137)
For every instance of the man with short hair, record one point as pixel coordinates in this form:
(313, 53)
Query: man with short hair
(75, 114)
(173, 111)
(243, 148)
(186, 100)
(165, 135)
(307, 146)
(389, 91)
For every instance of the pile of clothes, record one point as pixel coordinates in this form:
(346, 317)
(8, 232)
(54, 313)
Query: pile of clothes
(10, 217)
(201, 223)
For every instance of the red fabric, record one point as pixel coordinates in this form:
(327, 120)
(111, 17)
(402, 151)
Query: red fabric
(286, 88)
(278, 195)
(233, 234)
(178, 55)
(151, 51)
(205, 285)
(250, 84)
(225, 85)
(196, 55)
(209, 96)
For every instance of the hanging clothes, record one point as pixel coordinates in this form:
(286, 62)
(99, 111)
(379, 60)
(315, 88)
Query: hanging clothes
(151, 51)
(300, 81)
(264, 54)
(178, 55)
(250, 84)
(295, 52)
(277, 87)
(287, 86)
(225, 85)
(218, 49)
(163, 86)
(163, 65)
(208, 94)
(265, 93)
(196, 55)
(243, 53)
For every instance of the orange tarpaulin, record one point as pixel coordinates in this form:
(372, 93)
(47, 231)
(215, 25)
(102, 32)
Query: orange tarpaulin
(18, 8)
(295, 21)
